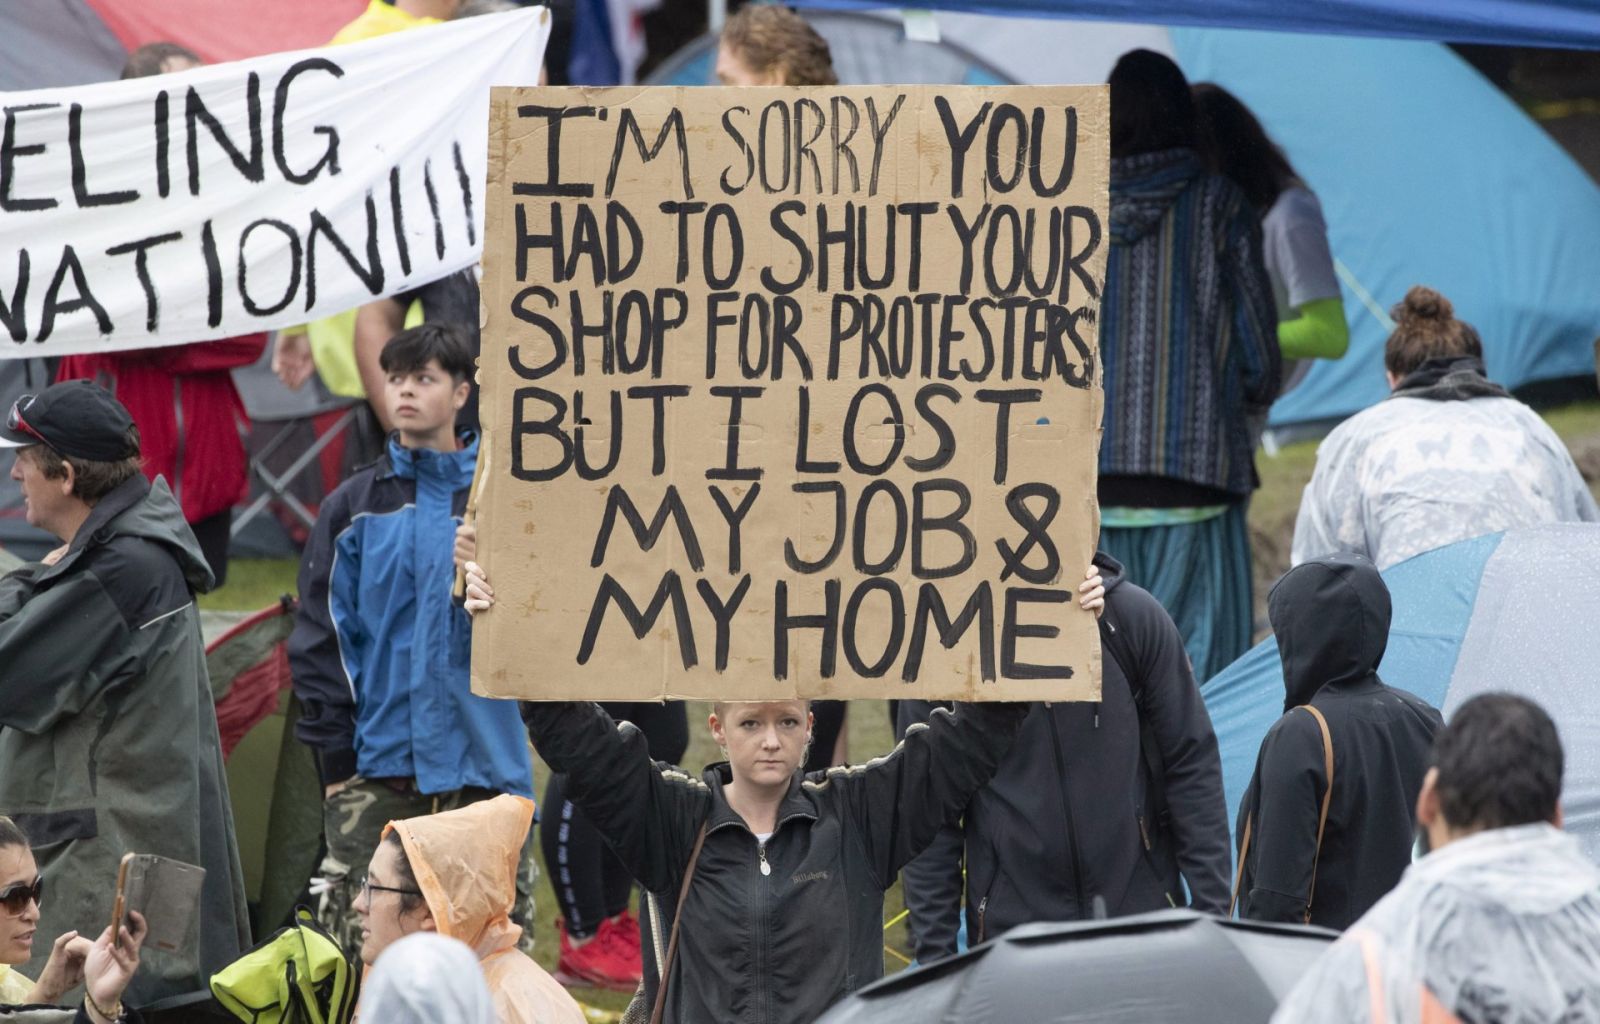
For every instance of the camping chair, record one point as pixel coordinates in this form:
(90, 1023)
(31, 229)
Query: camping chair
(276, 485)
(283, 476)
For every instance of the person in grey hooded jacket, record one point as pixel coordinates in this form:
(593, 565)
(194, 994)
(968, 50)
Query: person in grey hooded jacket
(1331, 617)
(110, 742)
(1448, 455)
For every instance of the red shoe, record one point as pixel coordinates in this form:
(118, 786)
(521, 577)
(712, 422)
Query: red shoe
(598, 963)
(627, 927)
(624, 929)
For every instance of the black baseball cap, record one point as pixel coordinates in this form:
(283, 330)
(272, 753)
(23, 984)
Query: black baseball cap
(77, 418)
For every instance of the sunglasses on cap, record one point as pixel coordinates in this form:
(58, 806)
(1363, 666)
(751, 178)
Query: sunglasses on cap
(15, 898)
(15, 420)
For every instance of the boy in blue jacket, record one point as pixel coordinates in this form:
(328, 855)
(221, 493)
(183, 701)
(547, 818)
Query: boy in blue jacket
(379, 652)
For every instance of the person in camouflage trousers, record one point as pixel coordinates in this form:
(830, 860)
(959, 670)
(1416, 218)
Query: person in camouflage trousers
(380, 649)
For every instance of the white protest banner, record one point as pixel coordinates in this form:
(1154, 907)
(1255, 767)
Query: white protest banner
(251, 195)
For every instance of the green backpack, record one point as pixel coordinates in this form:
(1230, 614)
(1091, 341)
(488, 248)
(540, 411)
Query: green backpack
(297, 976)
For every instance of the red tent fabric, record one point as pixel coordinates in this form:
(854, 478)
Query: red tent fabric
(249, 667)
(219, 32)
(51, 43)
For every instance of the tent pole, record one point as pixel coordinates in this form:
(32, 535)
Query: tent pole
(716, 14)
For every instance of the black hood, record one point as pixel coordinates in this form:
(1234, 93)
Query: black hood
(1111, 570)
(1449, 379)
(1331, 618)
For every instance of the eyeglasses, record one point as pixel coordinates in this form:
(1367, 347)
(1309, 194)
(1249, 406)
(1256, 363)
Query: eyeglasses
(367, 889)
(14, 420)
(15, 898)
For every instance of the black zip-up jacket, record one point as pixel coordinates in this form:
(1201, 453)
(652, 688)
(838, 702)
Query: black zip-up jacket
(1068, 815)
(776, 948)
(1331, 617)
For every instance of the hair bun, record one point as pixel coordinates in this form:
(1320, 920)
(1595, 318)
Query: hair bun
(1423, 303)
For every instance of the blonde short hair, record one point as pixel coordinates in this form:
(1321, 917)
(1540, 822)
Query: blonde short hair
(720, 707)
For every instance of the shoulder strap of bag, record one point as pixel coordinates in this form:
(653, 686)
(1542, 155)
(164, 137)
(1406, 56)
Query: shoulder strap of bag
(677, 919)
(1112, 641)
(1322, 821)
(1238, 871)
(1327, 797)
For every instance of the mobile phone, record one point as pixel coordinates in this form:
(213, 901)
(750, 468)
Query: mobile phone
(165, 892)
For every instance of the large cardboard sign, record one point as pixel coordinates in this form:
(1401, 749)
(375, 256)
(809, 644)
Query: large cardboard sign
(251, 195)
(791, 392)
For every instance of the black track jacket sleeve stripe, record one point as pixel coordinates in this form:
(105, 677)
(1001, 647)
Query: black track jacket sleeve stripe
(648, 812)
(898, 803)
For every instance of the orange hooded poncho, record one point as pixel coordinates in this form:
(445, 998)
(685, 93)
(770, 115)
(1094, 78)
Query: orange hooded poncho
(465, 862)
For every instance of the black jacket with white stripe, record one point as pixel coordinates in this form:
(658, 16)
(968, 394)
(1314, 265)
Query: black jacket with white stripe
(782, 946)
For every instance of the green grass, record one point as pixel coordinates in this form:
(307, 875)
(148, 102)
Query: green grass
(253, 584)
(1579, 421)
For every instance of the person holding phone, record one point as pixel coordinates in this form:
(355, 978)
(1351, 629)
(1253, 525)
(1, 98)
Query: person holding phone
(102, 968)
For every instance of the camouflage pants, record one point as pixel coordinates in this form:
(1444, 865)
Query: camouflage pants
(353, 819)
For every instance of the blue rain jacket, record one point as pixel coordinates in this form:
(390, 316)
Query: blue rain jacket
(380, 649)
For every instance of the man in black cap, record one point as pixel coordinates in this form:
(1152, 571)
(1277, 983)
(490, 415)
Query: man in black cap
(110, 743)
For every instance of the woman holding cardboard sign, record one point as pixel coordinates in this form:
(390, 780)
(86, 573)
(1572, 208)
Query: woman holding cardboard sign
(764, 884)
(768, 44)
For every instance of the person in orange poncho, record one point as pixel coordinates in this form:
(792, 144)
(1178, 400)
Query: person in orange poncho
(455, 873)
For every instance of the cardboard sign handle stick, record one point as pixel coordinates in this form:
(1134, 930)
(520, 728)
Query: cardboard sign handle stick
(470, 517)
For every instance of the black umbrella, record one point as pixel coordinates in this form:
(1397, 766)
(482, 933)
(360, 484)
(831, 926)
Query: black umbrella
(1173, 965)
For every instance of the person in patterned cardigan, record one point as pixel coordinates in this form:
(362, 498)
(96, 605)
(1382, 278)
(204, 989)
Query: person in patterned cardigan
(1189, 350)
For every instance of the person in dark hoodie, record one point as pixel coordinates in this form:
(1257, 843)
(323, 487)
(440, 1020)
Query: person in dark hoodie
(1188, 340)
(110, 741)
(1119, 800)
(1331, 617)
(1450, 455)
